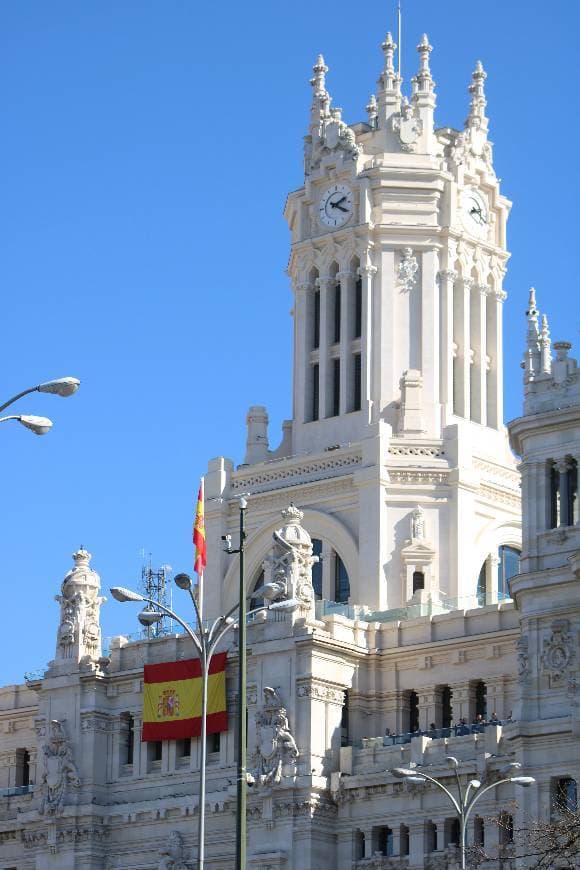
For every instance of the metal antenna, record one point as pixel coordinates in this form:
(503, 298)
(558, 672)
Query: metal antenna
(399, 36)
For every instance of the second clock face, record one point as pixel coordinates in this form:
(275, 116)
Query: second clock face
(336, 206)
(475, 212)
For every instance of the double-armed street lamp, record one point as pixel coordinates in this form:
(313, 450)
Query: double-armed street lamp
(464, 803)
(40, 425)
(206, 640)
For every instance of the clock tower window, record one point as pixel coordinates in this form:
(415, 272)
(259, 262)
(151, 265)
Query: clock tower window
(337, 295)
(315, 391)
(357, 382)
(358, 308)
(316, 320)
(335, 387)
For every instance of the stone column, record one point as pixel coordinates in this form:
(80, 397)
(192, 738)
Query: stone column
(301, 351)
(495, 354)
(429, 707)
(463, 701)
(430, 337)
(491, 569)
(416, 843)
(346, 290)
(325, 285)
(446, 279)
(464, 349)
(327, 572)
(367, 272)
(563, 466)
(479, 346)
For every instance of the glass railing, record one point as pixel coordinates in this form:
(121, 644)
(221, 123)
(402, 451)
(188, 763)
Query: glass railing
(459, 730)
(432, 607)
(16, 790)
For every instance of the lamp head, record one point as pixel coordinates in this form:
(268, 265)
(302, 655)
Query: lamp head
(149, 617)
(415, 779)
(524, 781)
(475, 783)
(452, 761)
(38, 425)
(184, 581)
(288, 605)
(403, 772)
(60, 386)
(119, 593)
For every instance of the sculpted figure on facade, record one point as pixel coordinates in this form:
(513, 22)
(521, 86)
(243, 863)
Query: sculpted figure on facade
(58, 770)
(558, 650)
(408, 268)
(418, 523)
(275, 745)
(172, 854)
(79, 632)
(289, 565)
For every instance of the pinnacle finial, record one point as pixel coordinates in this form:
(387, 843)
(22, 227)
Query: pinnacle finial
(478, 102)
(532, 356)
(372, 110)
(423, 83)
(318, 81)
(546, 346)
(320, 96)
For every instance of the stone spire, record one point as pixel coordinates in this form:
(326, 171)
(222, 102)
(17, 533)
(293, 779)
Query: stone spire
(546, 346)
(477, 117)
(389, 83)
(320, 96)
(423, 95)
(372, 111)
(79, 632)
(532, 355)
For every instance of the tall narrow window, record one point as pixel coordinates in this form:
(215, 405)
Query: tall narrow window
(480, 699)
(341, 581)
(344, 730)
(418, 580)
(404, 840)
(413, 712)
(315, 391)
(127, 738)
(508, 566)
(337, 295)
(317, 568)
(316, 320)
(335, 387)
(554, 496)
(358, 308)
(357, 385)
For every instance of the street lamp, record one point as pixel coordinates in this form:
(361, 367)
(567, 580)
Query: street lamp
(205, 641)
(465, 804)
(41, 425)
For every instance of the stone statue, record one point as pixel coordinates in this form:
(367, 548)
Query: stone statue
(59, 770)
(289, 564)
(172, 854)
(418, 523)
(275, 745)
(79, 632)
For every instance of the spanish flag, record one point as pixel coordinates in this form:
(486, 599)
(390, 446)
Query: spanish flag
(199, 533)
(172, 699)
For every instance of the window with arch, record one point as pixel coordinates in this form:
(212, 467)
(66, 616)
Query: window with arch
(564, 794)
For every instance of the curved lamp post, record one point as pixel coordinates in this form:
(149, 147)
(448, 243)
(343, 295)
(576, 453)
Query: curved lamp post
(464, 804)
(41, 425)
(205, 641)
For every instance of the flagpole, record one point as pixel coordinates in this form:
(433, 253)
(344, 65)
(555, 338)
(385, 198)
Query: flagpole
(200, 575)
(242, 704)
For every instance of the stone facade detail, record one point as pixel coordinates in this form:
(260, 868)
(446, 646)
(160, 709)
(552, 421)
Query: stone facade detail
(276, 751)
(59, 771)
(172, 853)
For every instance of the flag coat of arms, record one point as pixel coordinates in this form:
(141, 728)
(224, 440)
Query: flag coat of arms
(172, 699)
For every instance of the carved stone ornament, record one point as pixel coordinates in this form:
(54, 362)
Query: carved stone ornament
(79, 632)
(558, 649)
(59, 772)
(407, 126)
(333, 136)
(172, 854)
(289, 564)
(408, 267)
(275, 745)
(523, 658)
(418, 523)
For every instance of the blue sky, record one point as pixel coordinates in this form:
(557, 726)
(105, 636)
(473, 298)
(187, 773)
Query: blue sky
(147, 150)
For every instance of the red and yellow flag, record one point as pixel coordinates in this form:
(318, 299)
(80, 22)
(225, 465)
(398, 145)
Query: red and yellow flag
(172, 699)
(199, 534)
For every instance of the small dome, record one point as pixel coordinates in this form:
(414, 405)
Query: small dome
(292, 531)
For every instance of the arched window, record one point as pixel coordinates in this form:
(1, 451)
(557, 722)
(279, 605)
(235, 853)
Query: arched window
(565, 794)
(508, 566)
(341, 581)
(259, 581)
(482, 586)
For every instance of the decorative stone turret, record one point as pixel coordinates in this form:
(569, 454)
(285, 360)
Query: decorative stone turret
(477, 117)
(423, 95)
(389, 84)
(257, 439)
(79, 631)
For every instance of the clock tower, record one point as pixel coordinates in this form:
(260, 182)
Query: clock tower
(396, 449)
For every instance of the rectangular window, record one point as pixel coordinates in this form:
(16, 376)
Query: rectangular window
(183, 747)
(316, 323)
(335, 387)
(337, 295)
(357, 386)
(358, 308)
(315, 391)
(213, 743)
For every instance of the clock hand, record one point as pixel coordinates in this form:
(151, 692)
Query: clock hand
(339, 207)
(338, 202)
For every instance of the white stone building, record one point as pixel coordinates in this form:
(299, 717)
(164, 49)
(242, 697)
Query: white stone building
(397, 456)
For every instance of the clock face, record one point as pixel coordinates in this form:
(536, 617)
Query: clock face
(475, 212)
(336, 206)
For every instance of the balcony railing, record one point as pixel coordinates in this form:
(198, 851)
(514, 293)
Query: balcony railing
(459, 730)
(432, 607)
(16, 790)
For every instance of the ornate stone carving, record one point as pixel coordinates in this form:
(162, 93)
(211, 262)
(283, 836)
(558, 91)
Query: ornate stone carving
(408, 268)
(59, 770)
(79, 632)
(275, 745)
(558, 649)
(407, 126)
(523, 658)
(289, 565)
(333, 135)
(418, 523)
(321, 692)
(172, 854)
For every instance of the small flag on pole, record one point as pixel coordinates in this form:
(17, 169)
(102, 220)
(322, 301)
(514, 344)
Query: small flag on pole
(199, 534)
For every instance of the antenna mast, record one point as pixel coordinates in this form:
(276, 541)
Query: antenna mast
(154, 585)
(399, 36)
